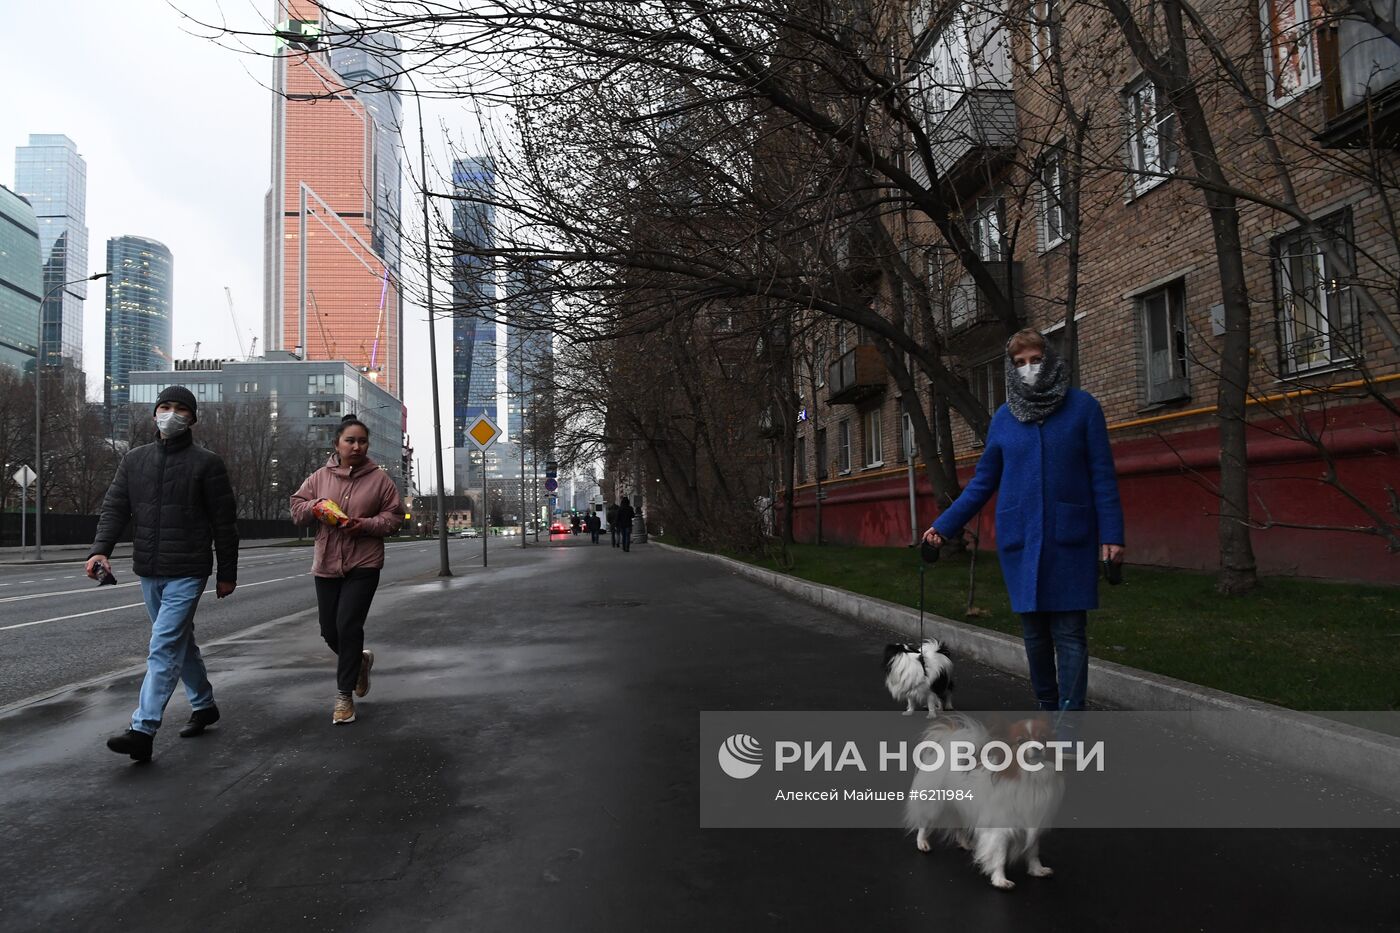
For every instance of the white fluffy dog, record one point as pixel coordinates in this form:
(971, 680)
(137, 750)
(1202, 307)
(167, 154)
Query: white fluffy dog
(920, 675)
(1001, 814)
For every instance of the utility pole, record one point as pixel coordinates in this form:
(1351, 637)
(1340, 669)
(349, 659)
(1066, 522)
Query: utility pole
(444, 570)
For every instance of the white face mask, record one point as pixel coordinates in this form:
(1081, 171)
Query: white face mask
(171, 423)
(1029, 372)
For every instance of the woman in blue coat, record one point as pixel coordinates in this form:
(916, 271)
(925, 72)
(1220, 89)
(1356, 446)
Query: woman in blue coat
(1048, 459)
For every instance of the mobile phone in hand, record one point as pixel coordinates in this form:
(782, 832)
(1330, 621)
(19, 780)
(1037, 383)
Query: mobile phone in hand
(1113, 572)
(105, 577)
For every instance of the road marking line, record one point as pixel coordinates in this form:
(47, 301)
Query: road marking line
(15, 599)
(79, 615)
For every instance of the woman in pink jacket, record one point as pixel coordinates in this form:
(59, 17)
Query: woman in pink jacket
(349, 551)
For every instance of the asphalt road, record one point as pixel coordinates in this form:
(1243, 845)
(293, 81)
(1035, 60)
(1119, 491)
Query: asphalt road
(527, 760)
(57, 627)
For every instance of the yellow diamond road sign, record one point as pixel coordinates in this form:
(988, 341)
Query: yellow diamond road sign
(483, 431)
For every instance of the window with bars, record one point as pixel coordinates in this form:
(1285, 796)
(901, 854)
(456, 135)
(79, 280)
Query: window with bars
(1317, 321)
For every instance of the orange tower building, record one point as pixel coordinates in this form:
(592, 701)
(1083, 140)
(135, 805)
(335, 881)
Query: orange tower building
(326, 290)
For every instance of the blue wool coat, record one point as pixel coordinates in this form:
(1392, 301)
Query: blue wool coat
(1057, 502)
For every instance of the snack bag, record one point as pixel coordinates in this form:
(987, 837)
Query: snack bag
(327, 511)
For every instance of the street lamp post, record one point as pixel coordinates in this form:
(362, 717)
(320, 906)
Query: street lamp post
(38, 447)
(444, 570)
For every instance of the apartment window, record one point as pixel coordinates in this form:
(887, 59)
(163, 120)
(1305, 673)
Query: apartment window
(874, 449)
(819, 372)
(323, 410)
(1151, 136)
(843, 446)
(1164, 343)
(988, 382)
(1045, 31)
(1318, 324)
(842, 336)
(821, 453)
(1052, 210)
(986, 228)
(1290, 50)
(800, 464)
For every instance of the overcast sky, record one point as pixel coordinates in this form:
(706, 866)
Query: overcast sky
(176, 134)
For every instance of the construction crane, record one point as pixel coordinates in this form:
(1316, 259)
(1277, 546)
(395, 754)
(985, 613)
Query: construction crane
(253, 348)
(236, 330)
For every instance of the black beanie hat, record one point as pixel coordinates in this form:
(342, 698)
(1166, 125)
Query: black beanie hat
(181, 395)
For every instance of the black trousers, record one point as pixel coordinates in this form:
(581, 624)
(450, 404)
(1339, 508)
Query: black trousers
(344, 605)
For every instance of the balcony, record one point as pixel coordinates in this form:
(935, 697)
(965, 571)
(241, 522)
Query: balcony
(980, 128)
(856, 376)
(1360, 84)
(969, 310)
(854, 255)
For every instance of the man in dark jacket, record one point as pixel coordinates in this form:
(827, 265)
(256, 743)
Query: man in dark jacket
(179, 497)
(625, 515)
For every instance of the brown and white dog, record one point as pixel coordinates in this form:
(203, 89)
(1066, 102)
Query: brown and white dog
(997, 815)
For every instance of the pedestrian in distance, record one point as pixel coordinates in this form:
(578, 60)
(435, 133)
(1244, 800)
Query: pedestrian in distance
(1058, 514)
(625, 515)
(574, 523)
(181, 504)
(357, 506)
(612, 524)
(595, 525)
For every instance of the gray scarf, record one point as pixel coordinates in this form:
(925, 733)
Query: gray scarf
(1036, 402)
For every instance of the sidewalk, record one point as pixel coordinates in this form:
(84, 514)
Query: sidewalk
(526, 759)
(68, 553)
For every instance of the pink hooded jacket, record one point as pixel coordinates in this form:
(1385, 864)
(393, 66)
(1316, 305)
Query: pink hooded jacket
(365, 492)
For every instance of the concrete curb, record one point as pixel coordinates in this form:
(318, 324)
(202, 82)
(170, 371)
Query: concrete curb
(1338, 750)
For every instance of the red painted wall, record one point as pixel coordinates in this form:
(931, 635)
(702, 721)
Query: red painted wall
(1170, 512)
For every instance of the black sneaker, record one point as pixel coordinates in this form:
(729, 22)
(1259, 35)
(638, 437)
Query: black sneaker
(200, 719)
(133, 743)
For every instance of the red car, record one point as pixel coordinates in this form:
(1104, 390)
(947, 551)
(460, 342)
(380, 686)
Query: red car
(557, 527)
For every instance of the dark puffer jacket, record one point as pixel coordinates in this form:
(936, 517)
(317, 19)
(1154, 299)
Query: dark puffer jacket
(181, 500)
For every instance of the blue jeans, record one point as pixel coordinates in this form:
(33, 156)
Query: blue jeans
(1057, 639)
(627, 537)
(173, 656)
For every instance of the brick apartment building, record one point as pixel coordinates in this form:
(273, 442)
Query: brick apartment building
(1001, 96)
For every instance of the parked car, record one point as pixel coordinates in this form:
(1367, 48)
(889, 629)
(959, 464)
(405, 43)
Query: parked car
(470, 533)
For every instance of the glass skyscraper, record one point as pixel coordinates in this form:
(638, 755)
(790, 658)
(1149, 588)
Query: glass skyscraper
(473, 309)
(51, 174)
(140, 294)
(329, 292)
(370, 65)
(21, 281)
